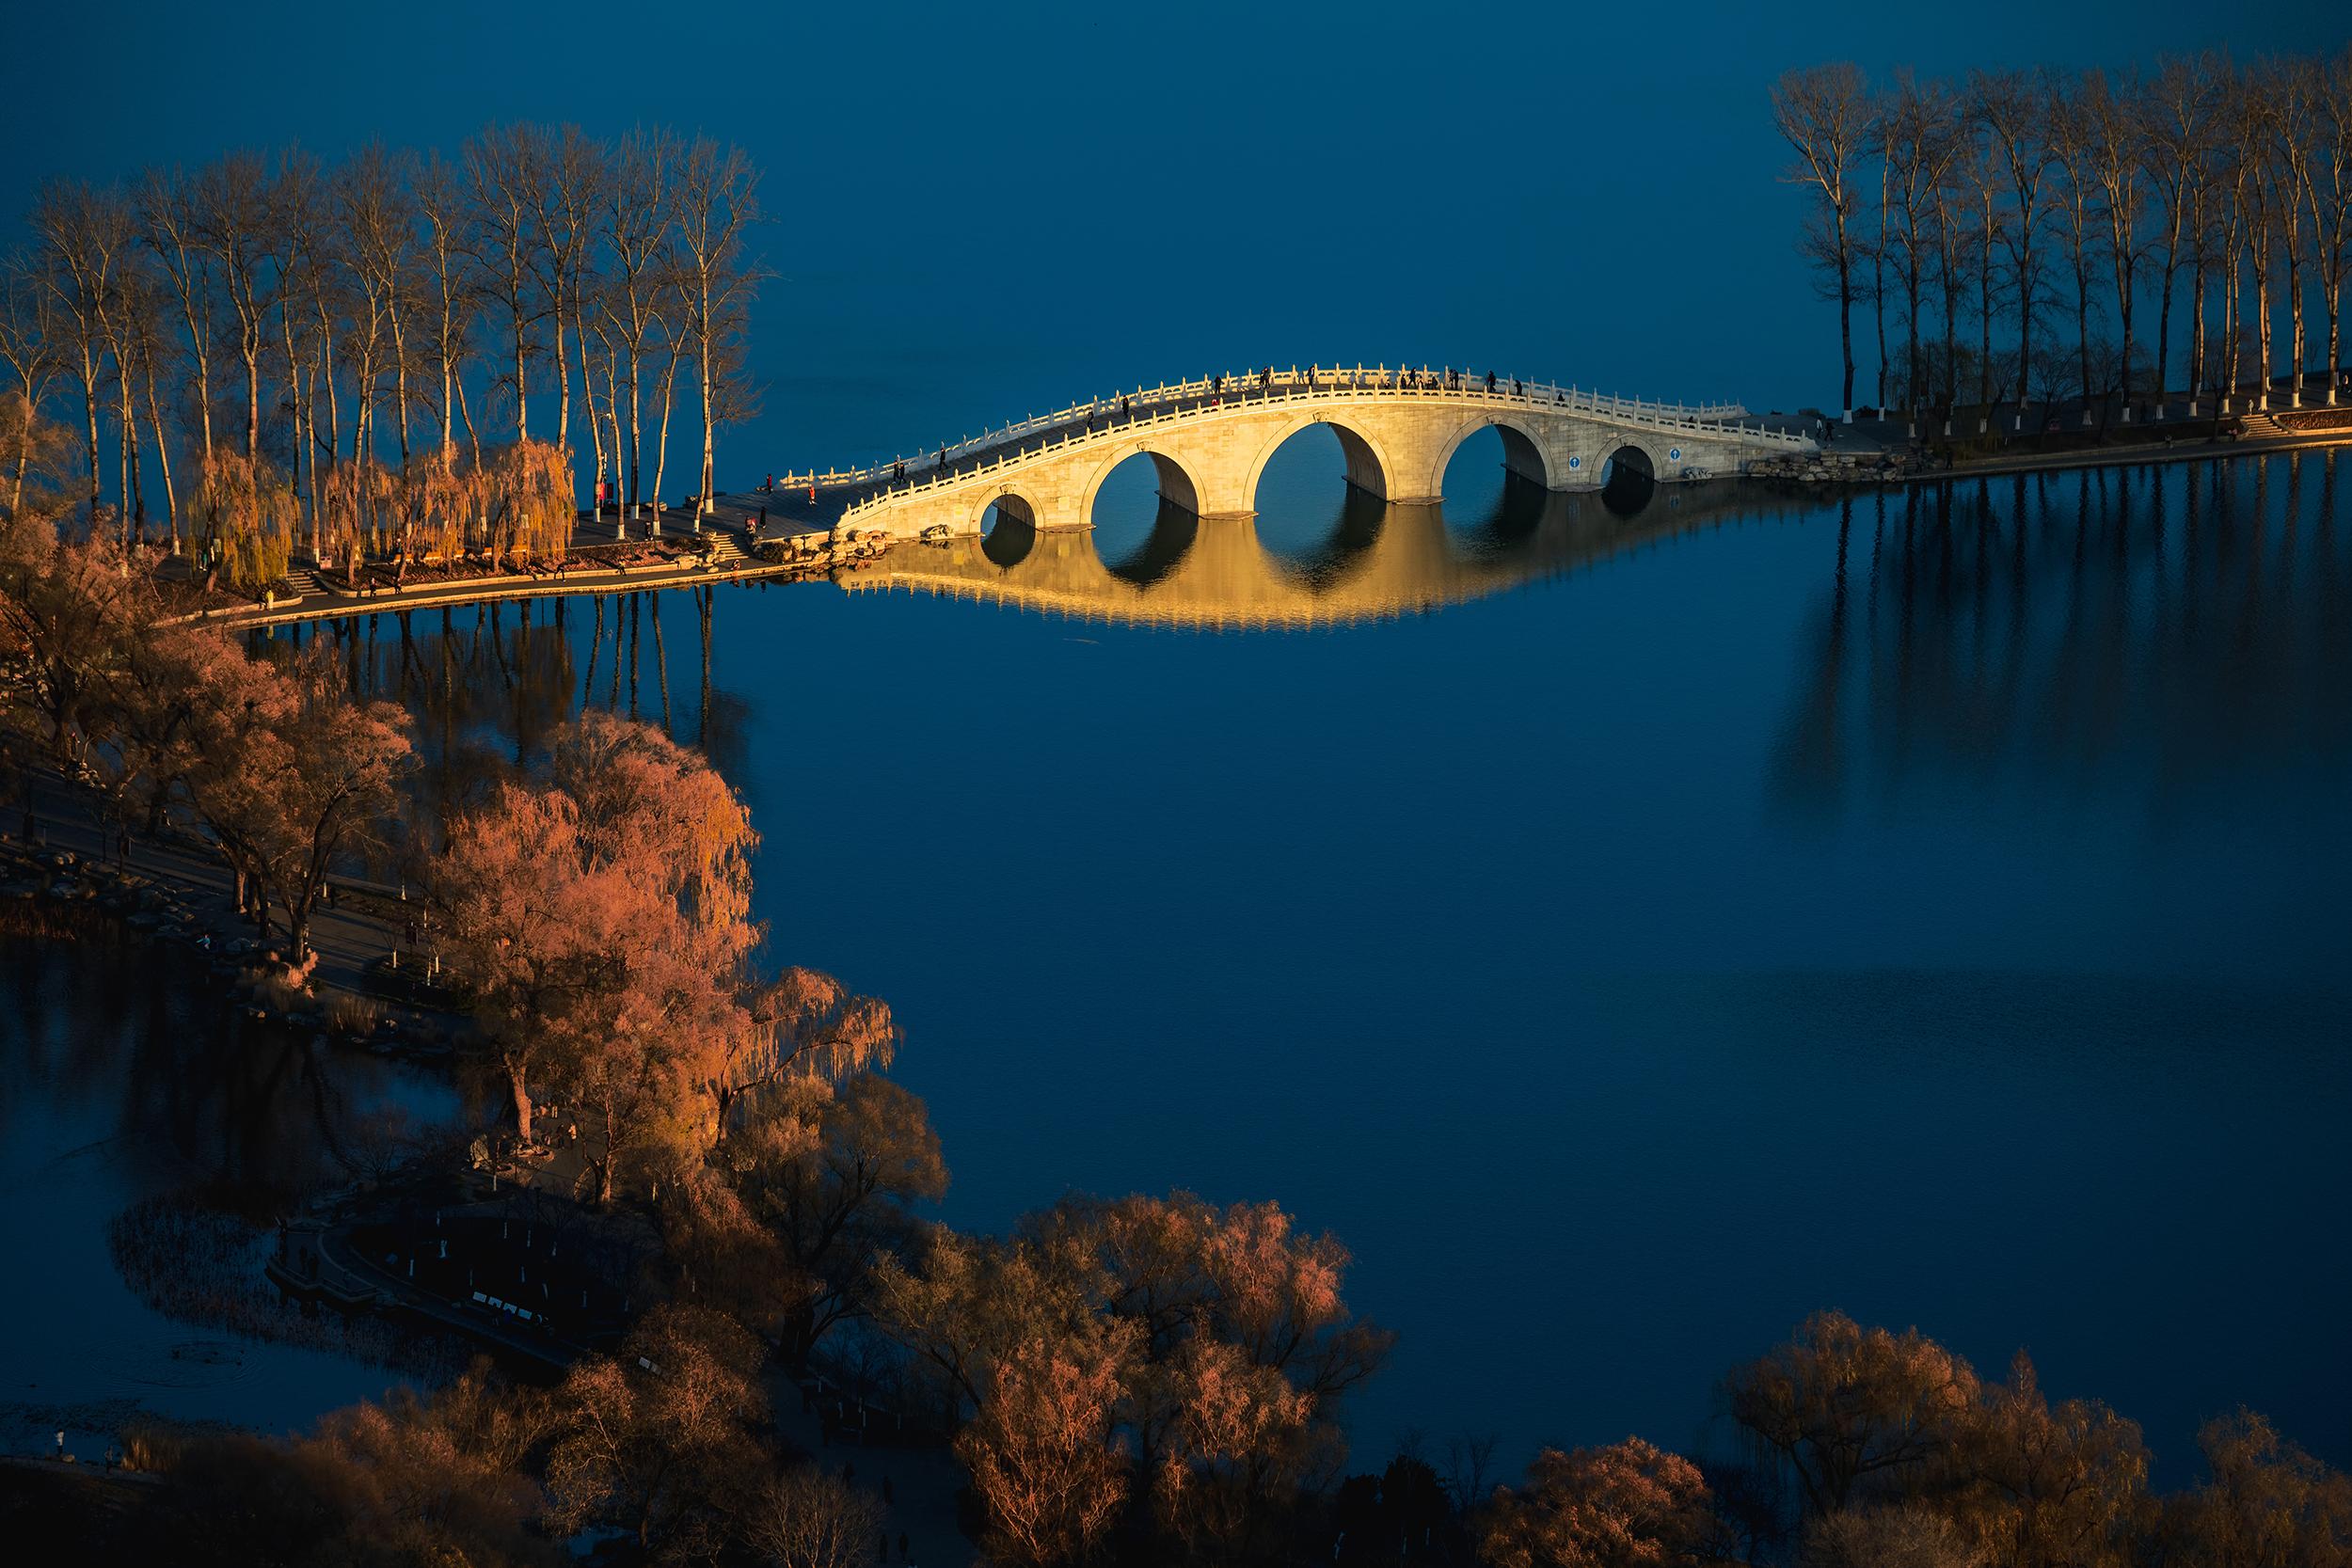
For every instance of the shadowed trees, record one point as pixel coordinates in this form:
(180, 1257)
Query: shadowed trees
(1824, 113)
(1625, 1506)
(2112, 184)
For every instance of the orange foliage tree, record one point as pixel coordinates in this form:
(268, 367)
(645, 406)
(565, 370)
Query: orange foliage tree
(290, 772)
(1235, 1344)
(1849, 1410)
(1628, 1505)
(600, 915)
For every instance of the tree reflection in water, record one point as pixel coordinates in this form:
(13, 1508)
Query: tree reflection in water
(2151, 630)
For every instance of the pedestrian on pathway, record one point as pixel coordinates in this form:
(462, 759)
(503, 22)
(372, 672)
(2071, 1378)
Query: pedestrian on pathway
(904, 1555)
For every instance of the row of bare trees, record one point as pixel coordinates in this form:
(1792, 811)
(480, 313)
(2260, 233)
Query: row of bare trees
(1983, 219)
(368, 336)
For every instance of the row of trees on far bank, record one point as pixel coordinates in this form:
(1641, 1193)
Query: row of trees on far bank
(2014, 230)
(398, 354)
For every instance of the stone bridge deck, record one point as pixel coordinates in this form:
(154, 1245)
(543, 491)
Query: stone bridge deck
(1211, 439)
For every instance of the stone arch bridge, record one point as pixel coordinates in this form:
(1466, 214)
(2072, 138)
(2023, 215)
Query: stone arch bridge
(1211, 439)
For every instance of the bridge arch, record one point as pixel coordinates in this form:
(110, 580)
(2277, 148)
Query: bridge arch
(1009, 540)
(1630, 472)
(1177, 488)
(1523, 451)
(1367, 467)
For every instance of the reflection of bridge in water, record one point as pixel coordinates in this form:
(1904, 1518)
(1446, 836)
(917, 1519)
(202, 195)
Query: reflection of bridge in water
(1379, 560)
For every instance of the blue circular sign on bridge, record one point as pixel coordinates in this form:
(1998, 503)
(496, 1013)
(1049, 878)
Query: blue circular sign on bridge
(1674, 454)
(1576, 462)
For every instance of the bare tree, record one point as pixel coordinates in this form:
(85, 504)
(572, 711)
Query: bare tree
(448, 290)
(32, 346)
(2068, 124)
(2010, 106)
(639, 229)
(2176, 112)
(1983, 175)
(569, 210)
(2289, 91)
(1918, 150)
(87, 236)
(1825, 113)
(506, 169)
(2332, 203)
(172, 210)
(236, 224)
(718, 200)
(2116, 130)
(379, 222)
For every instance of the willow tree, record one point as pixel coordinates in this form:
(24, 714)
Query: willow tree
(1825, 113)
(524, 493)
(243, 515)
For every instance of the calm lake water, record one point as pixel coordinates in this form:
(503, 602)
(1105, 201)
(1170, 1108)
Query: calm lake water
(123, 1079)
(1628, 927)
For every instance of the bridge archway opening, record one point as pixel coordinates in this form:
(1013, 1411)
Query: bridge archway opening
(1315, 514)
(1008, 530)
(1627, 481)
(1143, 516)
(1301, 471)
(1493, 483)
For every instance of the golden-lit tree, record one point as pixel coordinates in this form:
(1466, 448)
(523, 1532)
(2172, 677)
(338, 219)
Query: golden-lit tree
(2050, 1486)
(524, 496)
(1852, 1411)
(242, 517)
(656, 1440)
(1047, 1459)
(1628, 1505)
(600, 918)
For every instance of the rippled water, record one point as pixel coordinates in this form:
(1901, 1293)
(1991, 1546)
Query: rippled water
(1628, 927)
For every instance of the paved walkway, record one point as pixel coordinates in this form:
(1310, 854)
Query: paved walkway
(349, 936)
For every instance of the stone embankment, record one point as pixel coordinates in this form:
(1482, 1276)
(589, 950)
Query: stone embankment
(1833, 467)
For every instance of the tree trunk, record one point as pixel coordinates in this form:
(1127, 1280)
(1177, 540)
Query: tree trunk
(521, 1091)
(163, 459)
(89, 408)
(636, 427)
(1845, 313)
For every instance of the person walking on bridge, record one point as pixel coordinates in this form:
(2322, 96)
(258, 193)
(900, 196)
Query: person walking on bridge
(1491, 383)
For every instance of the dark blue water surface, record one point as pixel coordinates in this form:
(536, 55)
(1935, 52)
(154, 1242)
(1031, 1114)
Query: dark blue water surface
(1928, 904)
